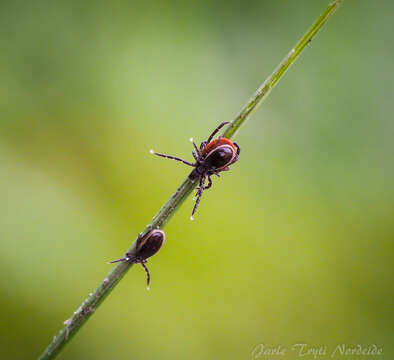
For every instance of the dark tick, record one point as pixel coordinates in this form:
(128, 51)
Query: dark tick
(212, 157)
(147, 246)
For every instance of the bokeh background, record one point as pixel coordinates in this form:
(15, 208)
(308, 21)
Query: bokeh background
(294, 245)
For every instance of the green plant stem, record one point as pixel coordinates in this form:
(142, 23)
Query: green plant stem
(91, 303)
(263, 91)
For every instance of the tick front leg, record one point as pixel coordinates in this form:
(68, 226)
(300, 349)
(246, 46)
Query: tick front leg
(198, 195)
(197, 151)
(203, 147)
(127, 257)
(195, 155)
(171, 157)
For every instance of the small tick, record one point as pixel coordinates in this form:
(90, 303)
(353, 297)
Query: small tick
(147, 246)
(212, 157)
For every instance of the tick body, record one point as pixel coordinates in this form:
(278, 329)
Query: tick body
(147, 246)
(212, 157)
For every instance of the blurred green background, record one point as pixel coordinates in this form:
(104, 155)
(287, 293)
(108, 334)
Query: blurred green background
(294, 245)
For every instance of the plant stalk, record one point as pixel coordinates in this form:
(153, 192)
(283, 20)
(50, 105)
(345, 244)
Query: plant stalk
(91, 303)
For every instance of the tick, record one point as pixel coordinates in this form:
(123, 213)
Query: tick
(147, 246)
(212, 157)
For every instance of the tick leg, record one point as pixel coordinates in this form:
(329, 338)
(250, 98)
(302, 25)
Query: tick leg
(236, 156)
(195, 148)
(172, 158)
(118, 260)
(217, 129)
(238, 148)
(198, 195)
(209, 183)
(195, 155)
(143, 263)
(125, 258)
(203, 146)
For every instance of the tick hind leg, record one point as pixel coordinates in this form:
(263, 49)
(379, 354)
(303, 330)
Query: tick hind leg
(216, 130)
(172, 158)
(238, 148)
(236, 156)
(203, 146)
